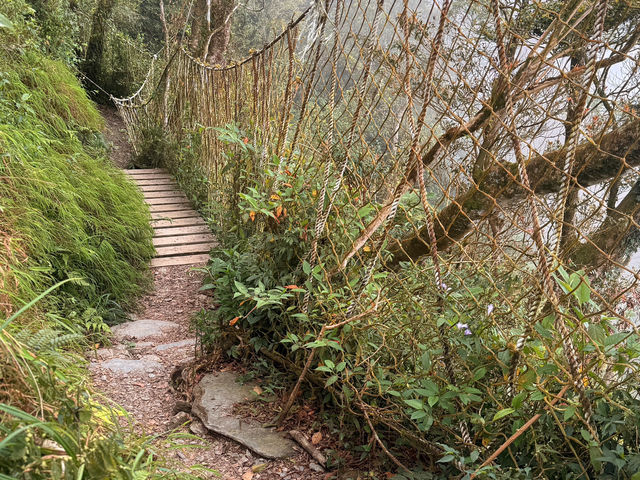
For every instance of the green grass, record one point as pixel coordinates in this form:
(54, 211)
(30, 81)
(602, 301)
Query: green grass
(66, 212)
(71, 225)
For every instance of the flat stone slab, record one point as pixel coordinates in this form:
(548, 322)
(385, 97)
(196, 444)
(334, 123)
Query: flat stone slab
(189, 342)
(126, 365)
(214, 398)
(142, 329)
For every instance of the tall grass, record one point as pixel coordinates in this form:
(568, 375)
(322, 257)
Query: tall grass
(74, 227)
(65, 211)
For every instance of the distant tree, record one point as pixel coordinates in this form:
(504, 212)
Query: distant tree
(211, 29)
(93, 64)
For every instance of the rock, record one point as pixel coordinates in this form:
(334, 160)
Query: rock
(197, 428)
(315, 467)
(178, 419)
(181, 406)
(105, 353)
(182, 343)
(142, 329)
(127, 365)
(214, 398)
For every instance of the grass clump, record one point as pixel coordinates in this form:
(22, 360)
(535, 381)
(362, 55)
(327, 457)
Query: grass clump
(66, 212)
(71, 226)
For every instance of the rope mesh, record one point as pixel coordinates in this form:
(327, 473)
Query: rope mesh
(463, 178)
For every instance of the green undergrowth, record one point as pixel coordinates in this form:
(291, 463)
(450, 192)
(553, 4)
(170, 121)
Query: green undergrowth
(66, 211)
(75, 241)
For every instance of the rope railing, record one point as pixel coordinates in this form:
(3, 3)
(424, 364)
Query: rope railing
(450, 192)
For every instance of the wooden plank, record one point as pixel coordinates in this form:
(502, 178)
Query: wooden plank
(170, 207)
(183, 240)
(135, 171)
(184, 249)
(177, 222)
(174, 214)
(167, 193)
(166, 200)
(170, 232)
(152, 176)
(183, 260)
(159, 181)
(157, 188)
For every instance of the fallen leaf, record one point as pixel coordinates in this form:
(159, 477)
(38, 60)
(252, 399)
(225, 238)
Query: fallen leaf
(248, 475)
(316, 438)
(257, 390)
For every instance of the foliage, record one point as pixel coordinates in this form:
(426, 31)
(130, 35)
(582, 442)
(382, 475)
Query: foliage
(50, 424)
(71, 226)
(259, 285)
(69, 213)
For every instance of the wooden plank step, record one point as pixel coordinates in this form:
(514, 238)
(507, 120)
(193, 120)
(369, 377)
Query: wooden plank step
(173, 231)
(157, 188)
(174, 214)
(170, 207)
(151, 176)
(136, 171)
(166, 200)
(184, 249)
(182, 260)
(167, 193)
(159, 181)
(177, 222)
(182, 240)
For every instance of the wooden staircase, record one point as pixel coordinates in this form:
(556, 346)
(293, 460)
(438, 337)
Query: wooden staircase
(181, 236)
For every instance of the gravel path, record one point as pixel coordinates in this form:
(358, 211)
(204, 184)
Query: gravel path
(134, 372)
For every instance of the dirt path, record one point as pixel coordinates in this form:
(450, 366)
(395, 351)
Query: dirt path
(134, 372)
(116, 134)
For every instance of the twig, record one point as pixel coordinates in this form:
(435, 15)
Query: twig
(379, 442)
(519, 432)
(311, 450)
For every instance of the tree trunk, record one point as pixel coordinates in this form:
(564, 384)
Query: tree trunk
(93, 66)
(593, 165)
(220, 31)
(211, 29)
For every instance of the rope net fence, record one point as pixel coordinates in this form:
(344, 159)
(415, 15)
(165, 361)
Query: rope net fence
(434, 207)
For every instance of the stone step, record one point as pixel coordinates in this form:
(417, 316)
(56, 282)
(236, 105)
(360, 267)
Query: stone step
(214, 398)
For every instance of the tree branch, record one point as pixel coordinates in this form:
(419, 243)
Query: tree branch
(595, 163)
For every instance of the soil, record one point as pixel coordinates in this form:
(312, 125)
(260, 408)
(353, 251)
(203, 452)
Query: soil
(147, 395)
(115, 134)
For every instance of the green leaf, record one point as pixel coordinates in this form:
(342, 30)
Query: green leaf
(332, 379)
(426, 361)
(616, 338)
(414, 403)
(517, 401)
(418, 414)
(503, 413)
(306, 268)
(583, 292)
(5, 22)
(569, 412)
(479, 374)
(446, 459)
